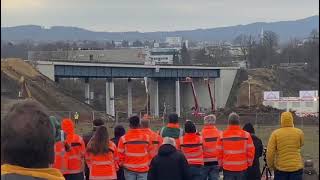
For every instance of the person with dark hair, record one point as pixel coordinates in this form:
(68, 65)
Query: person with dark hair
(235, 150)
(169, 164)
(119, 131)
(69, 153)
(135, 151)
(95, 123)
(172, 129)
(27, 143)
(100, 156)
(253, 172)
(191, 145)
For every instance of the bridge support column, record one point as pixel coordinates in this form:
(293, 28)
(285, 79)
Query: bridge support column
(154, 97)
(87, 91)
(110, 97)
(178, 97)
(129, 97)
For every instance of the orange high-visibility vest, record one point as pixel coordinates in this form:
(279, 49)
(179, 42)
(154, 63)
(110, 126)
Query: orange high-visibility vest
(210, 135)
(236, 149)
(71, 162)
(156, 140)
(103, 166)
(191, 145)
(135, 151)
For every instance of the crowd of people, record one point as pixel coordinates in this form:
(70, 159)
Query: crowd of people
(36, 146)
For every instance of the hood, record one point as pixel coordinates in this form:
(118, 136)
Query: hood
(68, 127)
(286, 119)
(45, 173)
(166, 149)
(249, 128)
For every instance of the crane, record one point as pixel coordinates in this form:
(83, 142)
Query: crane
(212, 100)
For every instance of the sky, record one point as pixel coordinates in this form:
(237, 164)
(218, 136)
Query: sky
(152, 15)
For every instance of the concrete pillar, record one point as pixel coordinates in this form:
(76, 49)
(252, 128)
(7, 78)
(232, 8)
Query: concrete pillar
(107, 97)
(129, 97)
(178, 97)
(154, 97)
(112, 108)
(87, 91)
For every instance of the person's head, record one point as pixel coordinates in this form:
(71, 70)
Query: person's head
(134, 122)
(286, 119)
(249, 128)
(189, 127)
(96, 123)
(99, 144)
(210, 119)
(173, 118)
(169, 140)
(119, 131)
(145, 123)
(234, 119)
(27, 137)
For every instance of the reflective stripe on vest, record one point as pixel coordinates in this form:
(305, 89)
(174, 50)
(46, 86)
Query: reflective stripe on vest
(102, 162)
(213, 139)
(136, 154)
(155, 142)
(210, 159)
(103, 177)
(234, 151)
(193, 154)
(234, 162)
(127, 165)
(136, 142)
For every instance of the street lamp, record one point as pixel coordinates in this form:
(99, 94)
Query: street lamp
(249, 93)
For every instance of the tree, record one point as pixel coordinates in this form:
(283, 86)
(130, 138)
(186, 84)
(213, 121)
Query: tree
(125, 43)
(185, 56)
(137, 43)
(202, 57)
(245, 43)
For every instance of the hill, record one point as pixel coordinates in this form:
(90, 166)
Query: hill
(285, 29)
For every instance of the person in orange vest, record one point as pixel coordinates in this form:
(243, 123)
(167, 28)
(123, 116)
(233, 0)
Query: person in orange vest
(191, 145)
(210, 134)
(235, 150)
(69, 152)
(156, 139)
(101, 156)
(134, 150)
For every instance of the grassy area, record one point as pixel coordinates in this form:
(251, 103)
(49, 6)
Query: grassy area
(309, 150)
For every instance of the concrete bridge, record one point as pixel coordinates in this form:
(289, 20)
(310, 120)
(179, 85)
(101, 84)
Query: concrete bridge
(164, 82)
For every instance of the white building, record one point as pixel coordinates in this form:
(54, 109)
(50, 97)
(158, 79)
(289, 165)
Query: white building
(160, 55)
(174, 41)
(306, 104)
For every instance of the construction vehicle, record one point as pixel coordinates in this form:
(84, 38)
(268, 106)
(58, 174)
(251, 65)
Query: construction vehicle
(24, 90)
(212, 100)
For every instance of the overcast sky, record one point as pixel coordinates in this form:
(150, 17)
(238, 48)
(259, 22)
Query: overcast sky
(152, 15)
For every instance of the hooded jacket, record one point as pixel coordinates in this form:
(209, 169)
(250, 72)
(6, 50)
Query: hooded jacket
(11, 172)
(284, 146)
(169, 164)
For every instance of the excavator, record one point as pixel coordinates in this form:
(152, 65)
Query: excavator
(24, 90)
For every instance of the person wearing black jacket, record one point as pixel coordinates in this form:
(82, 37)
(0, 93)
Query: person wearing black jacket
(119, 131)
(253, 172)
(169, 164)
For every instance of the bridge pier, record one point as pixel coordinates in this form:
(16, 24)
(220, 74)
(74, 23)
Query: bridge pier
(154, 97)
(110, 97)
(87, 91)
(178, 97)
(129, 97)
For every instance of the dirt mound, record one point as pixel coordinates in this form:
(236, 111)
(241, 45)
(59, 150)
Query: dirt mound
(56, 99)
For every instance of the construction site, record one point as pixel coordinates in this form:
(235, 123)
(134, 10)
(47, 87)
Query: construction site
(20, 80)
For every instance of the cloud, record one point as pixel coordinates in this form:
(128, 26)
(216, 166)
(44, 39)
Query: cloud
(151, 15)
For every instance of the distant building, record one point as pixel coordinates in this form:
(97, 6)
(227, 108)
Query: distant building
(174, 41)
(161, 55)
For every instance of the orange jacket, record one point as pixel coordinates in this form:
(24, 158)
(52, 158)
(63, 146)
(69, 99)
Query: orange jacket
(236, 149)
(69, 161)
(103, 166)
(156, 140)
(135, 151)
(210, 135)
(191, 145)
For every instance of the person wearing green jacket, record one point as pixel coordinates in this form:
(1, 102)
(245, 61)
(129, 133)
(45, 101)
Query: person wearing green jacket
(172, 129)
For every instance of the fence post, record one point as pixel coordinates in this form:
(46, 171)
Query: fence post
(69, 114)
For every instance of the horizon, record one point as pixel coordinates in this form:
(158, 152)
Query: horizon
(156, 16)
(137, 31)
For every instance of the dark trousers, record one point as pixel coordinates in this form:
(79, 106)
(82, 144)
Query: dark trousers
(195, 172)
(120, 174)
(234, 175)
(281, 175)
(78, 176)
